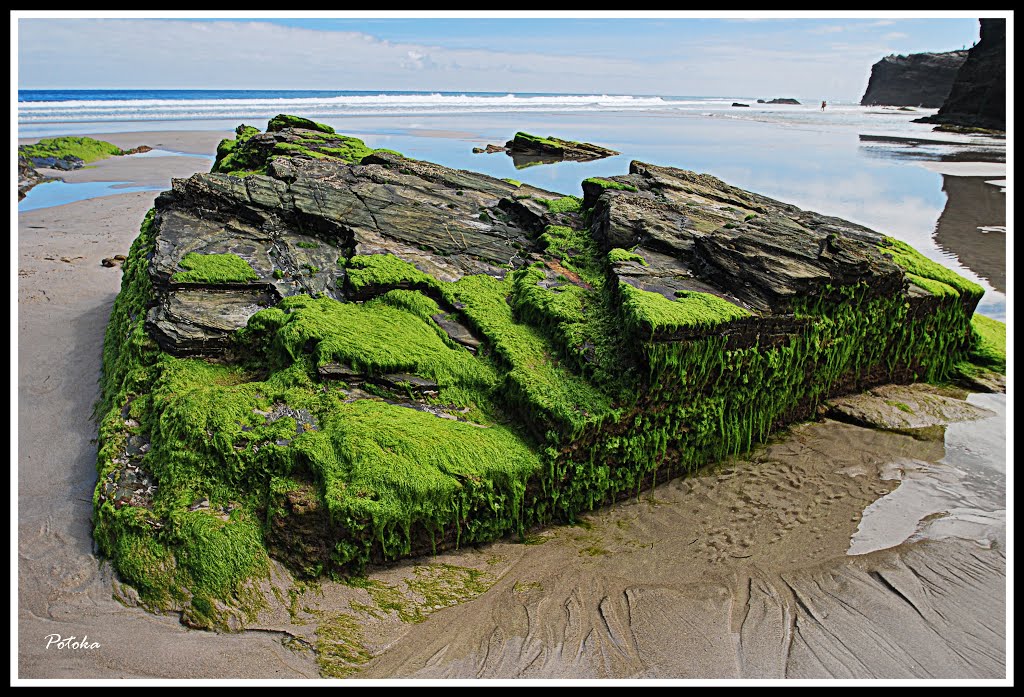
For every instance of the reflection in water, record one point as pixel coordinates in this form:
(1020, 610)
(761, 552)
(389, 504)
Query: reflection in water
(962, 495)
(913, 148)
(521, 161)
(972, 205)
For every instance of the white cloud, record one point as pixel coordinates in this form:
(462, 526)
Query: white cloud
(827, 29)
(164, 54)
(894, 35)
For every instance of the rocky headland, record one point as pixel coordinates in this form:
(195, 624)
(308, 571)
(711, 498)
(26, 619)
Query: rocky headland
(331, 355)
(918, 80)
(977, 99)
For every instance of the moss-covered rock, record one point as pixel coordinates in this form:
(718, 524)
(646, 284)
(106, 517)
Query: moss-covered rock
(80, 147)
(337, 361)
(527, 149)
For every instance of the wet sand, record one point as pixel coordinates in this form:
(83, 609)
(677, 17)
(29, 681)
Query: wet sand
(743, 571)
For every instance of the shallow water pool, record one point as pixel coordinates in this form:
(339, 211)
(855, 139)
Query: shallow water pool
(57, 193)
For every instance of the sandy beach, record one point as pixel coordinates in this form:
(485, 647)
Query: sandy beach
(744, 571)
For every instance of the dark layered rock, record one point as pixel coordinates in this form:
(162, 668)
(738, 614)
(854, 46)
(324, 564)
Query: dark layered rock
(920, 79)
(697, 233)
(65, 164)
(490, 148)
(978, 96)
(781, 100)
(294, 223)
(922, 411)
(739, 104)
(28, 176)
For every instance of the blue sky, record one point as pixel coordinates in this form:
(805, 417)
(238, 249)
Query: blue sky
(825, 57)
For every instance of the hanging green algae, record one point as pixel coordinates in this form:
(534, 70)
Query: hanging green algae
(989, 350)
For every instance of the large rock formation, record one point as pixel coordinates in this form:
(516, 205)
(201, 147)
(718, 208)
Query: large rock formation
(920, 79)
(978, 96)
(336, 355)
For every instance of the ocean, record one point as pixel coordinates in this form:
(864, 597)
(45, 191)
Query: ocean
(870, 165)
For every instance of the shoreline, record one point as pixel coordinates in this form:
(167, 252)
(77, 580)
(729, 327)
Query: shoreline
(64, 301)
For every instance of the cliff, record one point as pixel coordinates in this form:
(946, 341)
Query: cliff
(332, 355)
(920, 79)
(978, 96)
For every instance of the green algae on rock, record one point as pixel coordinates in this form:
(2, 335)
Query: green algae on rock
(527, 150)
(468, 361)
(214, 268)
(81, 147)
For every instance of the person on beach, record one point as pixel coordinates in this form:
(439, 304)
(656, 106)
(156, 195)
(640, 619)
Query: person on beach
(823, 105)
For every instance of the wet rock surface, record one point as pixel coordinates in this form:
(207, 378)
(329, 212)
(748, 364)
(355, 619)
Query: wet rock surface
(695, 233)
(28, 176)
(917, 410)
(62, 163)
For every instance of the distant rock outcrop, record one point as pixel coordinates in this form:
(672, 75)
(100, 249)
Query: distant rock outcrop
(526, 144)
(920, 79)
(978, 97)
(780, 100)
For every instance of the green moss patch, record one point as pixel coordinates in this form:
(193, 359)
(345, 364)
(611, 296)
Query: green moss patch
(653, 313)
(619, 255)
(566, 204)
(989, 350)
(920, 266)
(379, 271)
(549, 142)
(283, 121)
(88, 149)
(609, 184)
(214, 268)
(233, 158)
(348, 149)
